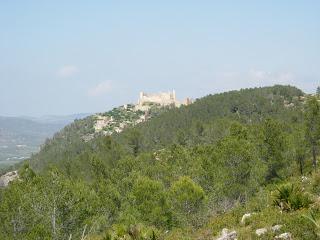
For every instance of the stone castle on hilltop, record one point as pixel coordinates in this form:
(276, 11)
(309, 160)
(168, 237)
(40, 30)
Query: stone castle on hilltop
(131, 114)
(162, 99)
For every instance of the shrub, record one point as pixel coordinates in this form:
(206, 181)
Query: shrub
(289, 197)
(132, 232)
(315, 184)
(187, 199)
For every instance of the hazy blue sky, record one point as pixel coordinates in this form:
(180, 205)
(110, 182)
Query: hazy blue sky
(61, 57)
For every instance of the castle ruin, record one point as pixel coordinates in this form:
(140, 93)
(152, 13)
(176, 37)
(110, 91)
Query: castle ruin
(161, 99)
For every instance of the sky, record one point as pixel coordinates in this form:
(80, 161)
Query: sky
(63, 57)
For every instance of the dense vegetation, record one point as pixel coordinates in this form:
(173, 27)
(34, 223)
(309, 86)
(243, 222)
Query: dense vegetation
(185, 174)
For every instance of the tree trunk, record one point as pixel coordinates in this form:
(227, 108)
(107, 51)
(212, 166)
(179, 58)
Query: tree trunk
(301, 165)
(301, 168)
(314, 157)
(53, 221)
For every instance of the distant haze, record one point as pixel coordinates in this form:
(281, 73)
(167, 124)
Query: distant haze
(64, 57)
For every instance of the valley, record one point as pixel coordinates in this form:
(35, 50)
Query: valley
(22, 136)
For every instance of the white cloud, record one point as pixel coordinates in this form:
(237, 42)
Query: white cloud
(67, 71)
(100, 89)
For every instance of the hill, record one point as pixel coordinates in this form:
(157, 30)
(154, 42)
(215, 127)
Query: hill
(186, 173)
(205, 116)
(205, 121)
(84, 133)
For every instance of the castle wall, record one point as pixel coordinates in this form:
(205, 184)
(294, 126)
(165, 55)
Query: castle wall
(160, 98)
(163, 99)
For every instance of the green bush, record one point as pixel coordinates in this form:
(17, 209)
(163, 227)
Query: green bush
(132, 232)
(315, 184)
(289, 197)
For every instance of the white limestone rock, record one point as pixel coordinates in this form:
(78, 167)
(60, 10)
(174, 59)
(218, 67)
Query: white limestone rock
(285, 236)
(276, 228)
(8, 177)
(245, 216)
(101, 122)
(261, 231)
(226, 235)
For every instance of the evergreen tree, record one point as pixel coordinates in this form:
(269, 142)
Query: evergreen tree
(318, 91)
(135, 141)
(273, 147)
(312, 123)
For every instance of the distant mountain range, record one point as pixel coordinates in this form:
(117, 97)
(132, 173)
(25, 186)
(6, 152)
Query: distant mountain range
(56, 119)
(22, 136)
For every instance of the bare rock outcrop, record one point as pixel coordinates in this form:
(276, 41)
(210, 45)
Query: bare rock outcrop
(261, 231)
(276, 228)
(227, 235)
(284, 236)
(245, 217)
(8, 177)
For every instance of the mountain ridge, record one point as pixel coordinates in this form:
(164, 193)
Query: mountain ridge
(174, 125)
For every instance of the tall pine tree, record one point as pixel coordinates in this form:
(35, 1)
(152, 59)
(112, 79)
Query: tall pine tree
(312, 121)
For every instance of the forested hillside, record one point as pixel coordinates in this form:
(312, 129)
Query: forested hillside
(205, 121)
(202, 120)
(187, 173)
(85, 133)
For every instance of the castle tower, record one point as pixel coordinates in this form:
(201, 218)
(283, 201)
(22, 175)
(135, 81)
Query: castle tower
(174, 95)
(140, 98)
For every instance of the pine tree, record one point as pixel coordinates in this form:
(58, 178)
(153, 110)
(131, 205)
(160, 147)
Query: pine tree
(273, 147)
(312, 116)
(318, 91)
